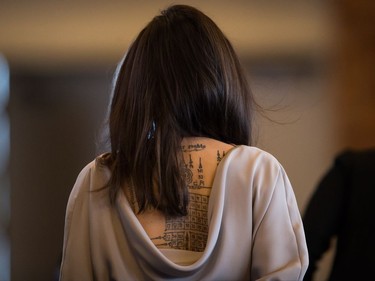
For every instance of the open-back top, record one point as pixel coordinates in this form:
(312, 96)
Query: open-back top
(255, 230)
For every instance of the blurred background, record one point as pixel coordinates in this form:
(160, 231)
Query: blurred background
(310, 65)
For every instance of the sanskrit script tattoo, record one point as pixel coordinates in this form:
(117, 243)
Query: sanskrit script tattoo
(198, 180)
(189, 232)
(193, 147)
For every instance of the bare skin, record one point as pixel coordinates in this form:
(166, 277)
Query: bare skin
(201, 157)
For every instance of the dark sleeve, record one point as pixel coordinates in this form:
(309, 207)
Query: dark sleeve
(323, 214)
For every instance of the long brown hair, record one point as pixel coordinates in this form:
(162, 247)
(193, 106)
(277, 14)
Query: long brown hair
(179, 78)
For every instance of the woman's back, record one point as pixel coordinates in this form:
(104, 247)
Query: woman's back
(201, 158)
(255, 230)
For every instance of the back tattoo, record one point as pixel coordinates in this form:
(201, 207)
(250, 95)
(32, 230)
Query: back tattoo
(190, 232)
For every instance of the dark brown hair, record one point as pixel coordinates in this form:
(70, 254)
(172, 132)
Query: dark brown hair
(180, 78)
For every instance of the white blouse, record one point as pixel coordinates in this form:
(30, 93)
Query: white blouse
(255, 229)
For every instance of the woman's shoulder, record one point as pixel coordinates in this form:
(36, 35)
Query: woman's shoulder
(252, 164)
(94, 175)
(255, 155)
(98, 164)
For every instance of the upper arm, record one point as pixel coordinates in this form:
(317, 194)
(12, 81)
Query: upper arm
(279, 246)
(76, 260)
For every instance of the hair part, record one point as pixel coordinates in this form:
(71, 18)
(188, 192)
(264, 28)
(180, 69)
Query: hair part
(180, 78)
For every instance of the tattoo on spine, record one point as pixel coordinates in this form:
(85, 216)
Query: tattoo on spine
(188, 173)
(189, 232)
(193, 147)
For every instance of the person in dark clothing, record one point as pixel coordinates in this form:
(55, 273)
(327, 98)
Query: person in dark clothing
(343, 207)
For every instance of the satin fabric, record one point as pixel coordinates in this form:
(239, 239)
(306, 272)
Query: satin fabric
(255, 229)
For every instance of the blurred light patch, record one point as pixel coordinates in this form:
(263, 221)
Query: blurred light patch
(4, 172)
